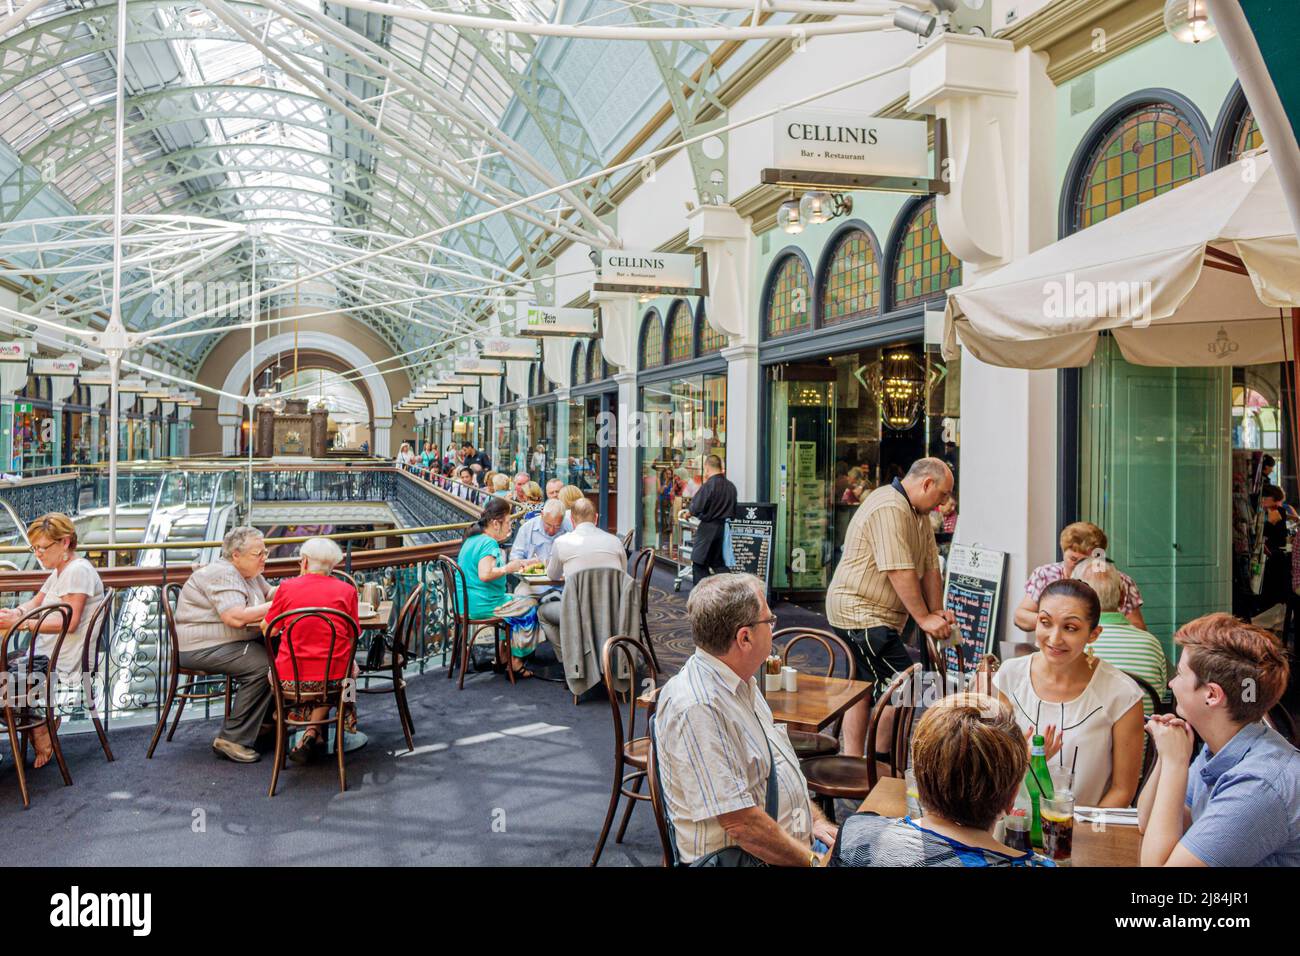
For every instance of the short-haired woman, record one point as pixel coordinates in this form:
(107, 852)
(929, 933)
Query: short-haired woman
(72, 581)
(216, 615)
(1079, 540)
(485, 577)
(1088, 711)
(969, 760)
(314, 587)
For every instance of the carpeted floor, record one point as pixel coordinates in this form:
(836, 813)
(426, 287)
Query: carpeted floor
(501, 775)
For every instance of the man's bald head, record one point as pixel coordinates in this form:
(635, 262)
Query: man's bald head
(584, 512)
(928, 484)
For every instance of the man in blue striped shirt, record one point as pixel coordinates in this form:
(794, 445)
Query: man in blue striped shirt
(717, 745)
(1239, 803)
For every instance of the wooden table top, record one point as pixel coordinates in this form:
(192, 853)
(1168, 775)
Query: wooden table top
(817, 702)
(378, 620)
(1114, 845)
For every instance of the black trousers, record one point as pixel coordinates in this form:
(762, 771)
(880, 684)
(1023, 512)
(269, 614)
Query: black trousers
(880, 654)
(707, 562)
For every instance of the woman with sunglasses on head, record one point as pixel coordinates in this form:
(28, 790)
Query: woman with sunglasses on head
(73, 581)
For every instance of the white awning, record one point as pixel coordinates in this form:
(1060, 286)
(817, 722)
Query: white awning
(1194, 277)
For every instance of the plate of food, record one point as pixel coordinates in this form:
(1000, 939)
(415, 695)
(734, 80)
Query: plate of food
(535, 572)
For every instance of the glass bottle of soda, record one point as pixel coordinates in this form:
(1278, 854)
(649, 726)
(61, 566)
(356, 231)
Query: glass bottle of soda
(1039, 783)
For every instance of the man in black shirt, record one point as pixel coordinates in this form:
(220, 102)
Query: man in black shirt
(713, 504)
(473, 458)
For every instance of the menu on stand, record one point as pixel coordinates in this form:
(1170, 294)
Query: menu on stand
(972, 591)
(749, 533)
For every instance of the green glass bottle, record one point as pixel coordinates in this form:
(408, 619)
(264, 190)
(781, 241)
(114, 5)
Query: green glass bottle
(1039, 783)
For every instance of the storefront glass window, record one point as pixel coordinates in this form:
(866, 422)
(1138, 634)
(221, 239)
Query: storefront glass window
(841, 427)
(652, 341)
(923, 267)
(681, 333)
(1148, 152)
(540, 463)
(789, 299)
(852, 286)
(579, 364)
(684, 421)
(595, 362)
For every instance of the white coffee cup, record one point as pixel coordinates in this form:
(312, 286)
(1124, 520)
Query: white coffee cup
(789, 679)
(365, 609)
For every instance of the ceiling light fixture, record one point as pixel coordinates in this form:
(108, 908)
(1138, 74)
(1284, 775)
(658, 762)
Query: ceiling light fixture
(1188, 21)
(789, 217)
(915, 21)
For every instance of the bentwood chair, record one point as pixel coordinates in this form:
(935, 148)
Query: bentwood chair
(391, 672)
(657, 799)
(464, 627)
(344, 576)
(981, 681)
(627, 542)
(842, 777)
(630, 751)
(642, 568)
(938, 660)
(22, 719)
(99, 638)
(199, 685)
(808, 743)
(332, 694)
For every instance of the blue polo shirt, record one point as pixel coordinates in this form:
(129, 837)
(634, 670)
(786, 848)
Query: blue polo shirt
(1245, 801)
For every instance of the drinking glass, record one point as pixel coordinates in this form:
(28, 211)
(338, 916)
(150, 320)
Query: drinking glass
(1015, 834)
(1058, 827)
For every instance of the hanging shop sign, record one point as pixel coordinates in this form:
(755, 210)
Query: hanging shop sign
(17, 350)
(460, 381)
(501, 347)
(480, 369)
(839, 150)
(56, 366)
(540, 321)
(98, 376)
(649, 273)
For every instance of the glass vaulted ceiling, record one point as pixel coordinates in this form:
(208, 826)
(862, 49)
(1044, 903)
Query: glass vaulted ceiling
(339, 131)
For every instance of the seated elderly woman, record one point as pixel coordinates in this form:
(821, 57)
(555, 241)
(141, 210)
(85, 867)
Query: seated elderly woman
(316, 646)
(969, 760)
(485, 578)
(217, 613)
(72, 581)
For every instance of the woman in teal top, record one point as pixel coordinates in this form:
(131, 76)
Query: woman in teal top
(479, 557)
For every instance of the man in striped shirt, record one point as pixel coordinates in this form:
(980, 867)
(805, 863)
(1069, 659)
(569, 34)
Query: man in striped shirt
(1137, 652)
(717, 746)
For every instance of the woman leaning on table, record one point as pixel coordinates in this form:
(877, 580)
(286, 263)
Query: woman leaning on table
(72, 581)
(1080, 704)
(485, 578)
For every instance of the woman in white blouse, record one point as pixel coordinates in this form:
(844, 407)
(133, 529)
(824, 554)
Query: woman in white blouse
(73, 581)
(1078, 702)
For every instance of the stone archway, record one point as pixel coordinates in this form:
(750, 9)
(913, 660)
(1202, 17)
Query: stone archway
(230, 412)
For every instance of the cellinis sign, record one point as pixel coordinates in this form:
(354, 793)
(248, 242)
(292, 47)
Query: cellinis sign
(665, 270)
(837, 141)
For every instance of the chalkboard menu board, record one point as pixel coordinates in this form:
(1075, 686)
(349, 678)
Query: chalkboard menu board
(749, 533)
(972, 591)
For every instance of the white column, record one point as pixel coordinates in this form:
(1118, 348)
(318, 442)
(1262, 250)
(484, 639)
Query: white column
(1001, 112)
(381, 437)
(744, 424)
(562, 451)
(229, 433)
(629, 472)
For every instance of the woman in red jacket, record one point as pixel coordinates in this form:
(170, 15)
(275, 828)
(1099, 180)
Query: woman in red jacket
(315, 649)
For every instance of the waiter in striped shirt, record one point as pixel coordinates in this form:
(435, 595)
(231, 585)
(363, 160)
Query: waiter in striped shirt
(889, 569)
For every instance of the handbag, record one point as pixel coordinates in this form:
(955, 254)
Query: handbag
(728, 855)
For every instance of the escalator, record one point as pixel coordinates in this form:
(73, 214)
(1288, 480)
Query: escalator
(189, 506)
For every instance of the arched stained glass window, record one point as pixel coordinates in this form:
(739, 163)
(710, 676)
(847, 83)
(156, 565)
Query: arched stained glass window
(579, 364)
(652, 341)
(852, 285)
(711, 340)
(1247, 136)
(1148, 151)
(681, 333)
(789, 298)
(595, 362)
(923, 266)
